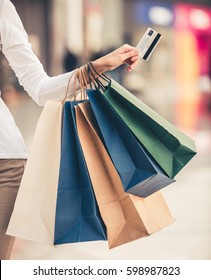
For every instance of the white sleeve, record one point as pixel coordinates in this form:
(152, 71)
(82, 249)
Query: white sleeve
(24, 62)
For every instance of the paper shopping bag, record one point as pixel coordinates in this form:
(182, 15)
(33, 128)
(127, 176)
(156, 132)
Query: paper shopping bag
(126, 217)
(139, 173)
(33, 217)
(77, 214)
(169, 147)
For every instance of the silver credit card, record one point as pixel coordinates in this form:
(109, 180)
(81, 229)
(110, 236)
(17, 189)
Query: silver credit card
(148, 43)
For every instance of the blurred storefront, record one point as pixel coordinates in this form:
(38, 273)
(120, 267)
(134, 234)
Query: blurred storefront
(179, 74)
(193, 56)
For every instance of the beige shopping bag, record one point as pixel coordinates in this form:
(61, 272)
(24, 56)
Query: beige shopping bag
(33, 217)
(126, 217)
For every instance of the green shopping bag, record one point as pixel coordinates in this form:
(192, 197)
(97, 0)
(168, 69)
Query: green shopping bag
(170, 148)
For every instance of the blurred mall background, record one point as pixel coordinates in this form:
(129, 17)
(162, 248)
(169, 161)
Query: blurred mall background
(176, 82)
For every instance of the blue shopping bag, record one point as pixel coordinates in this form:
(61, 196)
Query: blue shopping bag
(139, 173)
(77, 215)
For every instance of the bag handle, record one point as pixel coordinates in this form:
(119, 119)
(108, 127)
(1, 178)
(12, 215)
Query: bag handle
(80, 76)
(74, 73)
(86, 76)
(102, 76)
(98, 80)
(91, 78)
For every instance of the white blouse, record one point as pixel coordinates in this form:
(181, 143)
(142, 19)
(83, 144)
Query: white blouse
(31, 75)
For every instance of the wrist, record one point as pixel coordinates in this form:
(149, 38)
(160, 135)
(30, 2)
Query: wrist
(101, 65)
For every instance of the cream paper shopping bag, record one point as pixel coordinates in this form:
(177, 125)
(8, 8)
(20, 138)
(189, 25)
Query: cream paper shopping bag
(33, 217)
(126, 217)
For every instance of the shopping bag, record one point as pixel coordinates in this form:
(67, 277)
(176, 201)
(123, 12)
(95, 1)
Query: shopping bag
(139, 173)
(43, 208)
(126, 217)
(33, 217)
(169, 147)
(77, 214)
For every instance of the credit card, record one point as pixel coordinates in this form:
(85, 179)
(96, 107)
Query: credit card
(148, 43)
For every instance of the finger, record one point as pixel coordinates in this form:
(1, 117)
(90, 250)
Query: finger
(132, 60)
(131, 53)
(132, 65)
